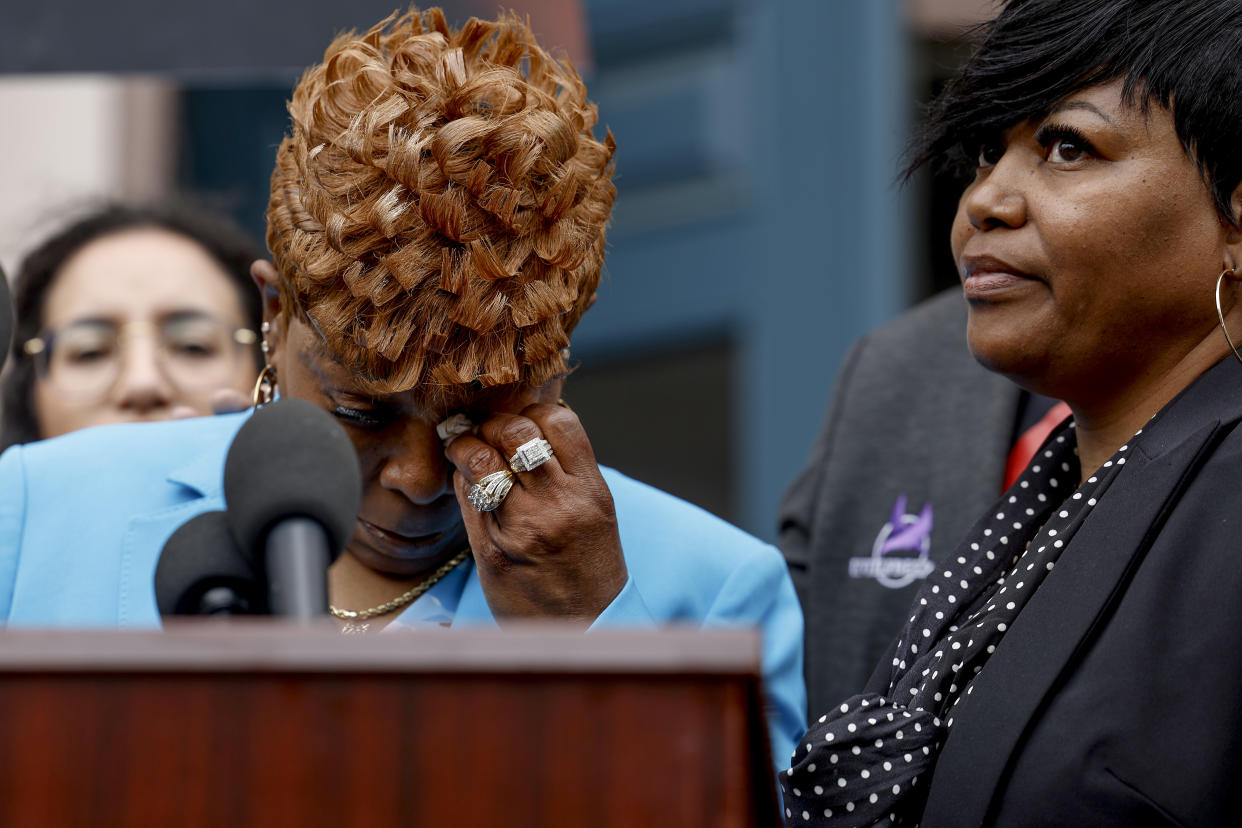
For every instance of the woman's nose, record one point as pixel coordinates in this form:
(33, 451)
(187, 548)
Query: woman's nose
(997, 198)
(415, 465)
(142, 385)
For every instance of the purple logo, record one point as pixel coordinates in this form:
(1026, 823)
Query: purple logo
(899, 555)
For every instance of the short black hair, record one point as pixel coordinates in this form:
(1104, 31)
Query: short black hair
(1183, 55)
(227, 244)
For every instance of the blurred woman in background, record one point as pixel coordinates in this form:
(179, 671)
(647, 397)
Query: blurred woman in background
(131, 314)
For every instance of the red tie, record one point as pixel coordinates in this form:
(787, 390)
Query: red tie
(1030, 441)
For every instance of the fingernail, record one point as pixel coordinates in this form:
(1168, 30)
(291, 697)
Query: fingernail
(453, 427)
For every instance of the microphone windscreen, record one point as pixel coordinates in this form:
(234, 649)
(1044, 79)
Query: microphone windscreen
(291, 459)
(199, 557)
(6, 317)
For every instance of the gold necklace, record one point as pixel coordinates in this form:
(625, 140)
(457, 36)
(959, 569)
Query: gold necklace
(399, 601)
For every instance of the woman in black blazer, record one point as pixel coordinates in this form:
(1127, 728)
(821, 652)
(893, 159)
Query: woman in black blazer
(1078, 659)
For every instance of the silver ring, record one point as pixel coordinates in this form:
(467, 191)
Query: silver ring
(491, 491)
(531, 455)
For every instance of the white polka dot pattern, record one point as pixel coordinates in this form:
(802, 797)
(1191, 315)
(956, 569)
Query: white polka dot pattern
(862, 763)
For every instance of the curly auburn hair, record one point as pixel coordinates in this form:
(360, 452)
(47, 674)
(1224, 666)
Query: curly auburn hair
(438, 211)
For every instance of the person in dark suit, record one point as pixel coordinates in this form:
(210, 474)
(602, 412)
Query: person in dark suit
(1073, 660)
(894, 481)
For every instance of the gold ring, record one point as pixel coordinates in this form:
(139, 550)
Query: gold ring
(491, 491)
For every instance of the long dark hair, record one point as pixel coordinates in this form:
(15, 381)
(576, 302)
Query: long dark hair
(226, 243)
(1184, 55)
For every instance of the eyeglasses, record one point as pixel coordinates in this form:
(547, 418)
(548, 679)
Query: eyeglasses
(194, 352)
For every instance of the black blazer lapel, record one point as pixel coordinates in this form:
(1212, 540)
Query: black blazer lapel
(1074, 600)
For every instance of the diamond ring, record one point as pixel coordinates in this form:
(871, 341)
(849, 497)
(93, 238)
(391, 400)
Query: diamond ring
(531, 455)
(490, 491)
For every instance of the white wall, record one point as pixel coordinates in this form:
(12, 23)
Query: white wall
(67, 138)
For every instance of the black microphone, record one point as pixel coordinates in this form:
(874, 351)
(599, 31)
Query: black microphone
(292, 485)
(201, 571)
(6, 317)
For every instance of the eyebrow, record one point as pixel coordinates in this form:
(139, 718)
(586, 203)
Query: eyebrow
(160, 318)
(309, 358)
(318, 350)
(93, 320)
(1083, 105)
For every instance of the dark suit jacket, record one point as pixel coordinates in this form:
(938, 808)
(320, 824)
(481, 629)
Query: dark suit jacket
(1116, 697)
(912, 414)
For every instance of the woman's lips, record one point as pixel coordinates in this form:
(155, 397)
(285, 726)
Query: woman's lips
(395, 539)
(984, 284)
(398, 554)
(987, 277)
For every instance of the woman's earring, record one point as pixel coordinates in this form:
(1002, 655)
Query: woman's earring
(265, 385)
(1220, 313)
(565, 356)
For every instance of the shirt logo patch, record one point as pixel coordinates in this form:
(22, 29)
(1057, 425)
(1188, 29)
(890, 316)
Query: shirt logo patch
(899, 555)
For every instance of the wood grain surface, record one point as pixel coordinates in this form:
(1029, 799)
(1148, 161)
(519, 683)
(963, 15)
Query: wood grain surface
(264, 726)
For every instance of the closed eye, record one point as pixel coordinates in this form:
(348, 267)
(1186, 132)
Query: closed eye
(367, 418)
(88, 357)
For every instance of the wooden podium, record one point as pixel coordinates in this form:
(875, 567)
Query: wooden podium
(270, 726)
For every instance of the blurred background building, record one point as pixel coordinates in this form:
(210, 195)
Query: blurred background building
(760, 225)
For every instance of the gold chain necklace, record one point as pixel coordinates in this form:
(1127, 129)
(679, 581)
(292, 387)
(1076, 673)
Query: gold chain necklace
(400, 600)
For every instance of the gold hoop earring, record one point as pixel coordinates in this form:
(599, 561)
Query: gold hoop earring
(1220, 313)
(264, 387)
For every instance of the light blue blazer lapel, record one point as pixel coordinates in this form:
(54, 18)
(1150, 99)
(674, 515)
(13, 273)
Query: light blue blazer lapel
(200, 482)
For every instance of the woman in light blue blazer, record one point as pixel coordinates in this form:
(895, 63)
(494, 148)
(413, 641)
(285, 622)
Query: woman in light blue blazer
(436, 224)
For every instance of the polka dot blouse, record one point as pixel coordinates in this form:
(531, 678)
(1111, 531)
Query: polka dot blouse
(867, 761)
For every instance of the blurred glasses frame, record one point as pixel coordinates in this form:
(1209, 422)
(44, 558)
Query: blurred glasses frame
(41, 348)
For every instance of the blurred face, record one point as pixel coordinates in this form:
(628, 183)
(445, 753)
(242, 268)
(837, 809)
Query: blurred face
(1088, 245)
(139, 325)
(409, 521)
